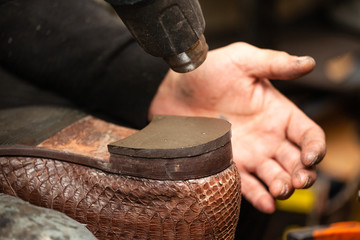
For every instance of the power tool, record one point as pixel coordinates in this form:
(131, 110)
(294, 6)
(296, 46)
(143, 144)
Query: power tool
(171, 29)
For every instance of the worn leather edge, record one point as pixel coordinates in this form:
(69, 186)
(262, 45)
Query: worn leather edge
(181, 168)
(158, 169)
(28, 151)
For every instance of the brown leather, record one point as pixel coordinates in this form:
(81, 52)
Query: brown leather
(122, 207)
(174, 148)
(64, 173)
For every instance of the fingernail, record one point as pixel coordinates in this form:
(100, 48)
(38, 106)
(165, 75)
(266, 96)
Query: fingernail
(284, 190)
(307, 183)
(306, 60)
(312, 159)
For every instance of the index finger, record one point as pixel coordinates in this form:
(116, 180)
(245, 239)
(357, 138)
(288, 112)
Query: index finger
(308, 136)
(271, 64)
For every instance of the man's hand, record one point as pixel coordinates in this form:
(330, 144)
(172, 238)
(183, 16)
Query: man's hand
(272, 139)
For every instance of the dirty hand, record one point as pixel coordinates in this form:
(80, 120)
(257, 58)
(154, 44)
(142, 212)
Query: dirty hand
(272, 139)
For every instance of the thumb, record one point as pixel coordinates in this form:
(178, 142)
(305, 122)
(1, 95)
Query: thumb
(271, 64)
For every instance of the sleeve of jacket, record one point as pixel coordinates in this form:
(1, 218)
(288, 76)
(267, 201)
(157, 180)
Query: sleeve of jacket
(82, 51)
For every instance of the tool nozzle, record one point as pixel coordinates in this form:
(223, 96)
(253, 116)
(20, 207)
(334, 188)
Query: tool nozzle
(190, 59)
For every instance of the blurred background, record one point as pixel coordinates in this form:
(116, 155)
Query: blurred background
(329, 31)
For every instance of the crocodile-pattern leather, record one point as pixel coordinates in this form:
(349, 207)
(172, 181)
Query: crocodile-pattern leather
(121, 207)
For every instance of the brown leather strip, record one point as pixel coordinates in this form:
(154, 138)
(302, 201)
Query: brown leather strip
(27, 151)
(183, 168)
(161, 169)
(89, 137)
